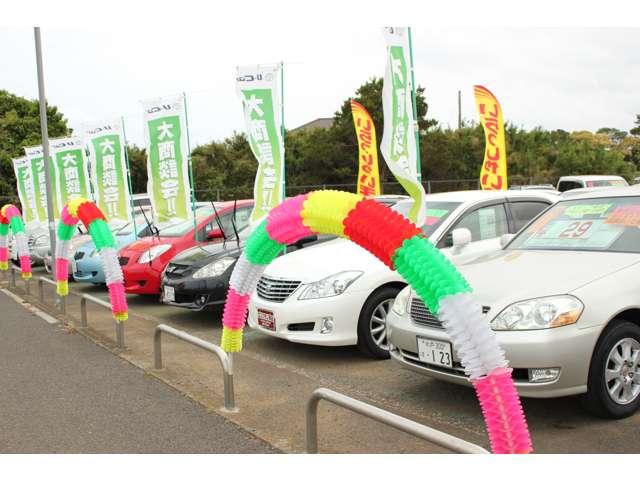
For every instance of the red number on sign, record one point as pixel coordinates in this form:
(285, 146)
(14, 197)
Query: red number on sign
(576, 230)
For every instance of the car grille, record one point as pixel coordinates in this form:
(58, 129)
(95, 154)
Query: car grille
(78, 256)
(123, 260)
(175, 270)
(421, 315)
(276, 290)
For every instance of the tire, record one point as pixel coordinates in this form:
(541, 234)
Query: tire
(371, 344)
(603, 398)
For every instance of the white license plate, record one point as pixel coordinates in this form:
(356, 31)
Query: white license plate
(266, 319)
(169, 293)
(435, 352)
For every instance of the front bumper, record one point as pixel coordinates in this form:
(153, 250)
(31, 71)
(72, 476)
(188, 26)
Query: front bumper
(568, 348)
(300, 321)
(142, 278)
(89, 269)
(196, 294)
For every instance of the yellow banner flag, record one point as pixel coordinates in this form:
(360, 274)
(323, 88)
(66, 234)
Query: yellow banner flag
(368, 175)
(493, 175)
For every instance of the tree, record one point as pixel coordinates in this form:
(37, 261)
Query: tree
(636, 129)
(20, 127)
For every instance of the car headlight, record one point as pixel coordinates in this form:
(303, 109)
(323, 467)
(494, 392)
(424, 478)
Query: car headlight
(153, 252)
(539, 313)
(41, 241)
(330, 286)
(214, 269)
(402, 300)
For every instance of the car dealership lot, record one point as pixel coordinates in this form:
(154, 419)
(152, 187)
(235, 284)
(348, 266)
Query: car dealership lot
(274, 379)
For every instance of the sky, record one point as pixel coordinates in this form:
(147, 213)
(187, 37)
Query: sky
(568, 78)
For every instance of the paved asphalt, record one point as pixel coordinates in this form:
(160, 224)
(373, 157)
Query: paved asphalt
(61, 393)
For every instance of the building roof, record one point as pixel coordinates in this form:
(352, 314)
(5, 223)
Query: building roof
(317, 123)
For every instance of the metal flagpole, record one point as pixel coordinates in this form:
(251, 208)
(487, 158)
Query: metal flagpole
(192, 181)
(282, 130)
(126, 159)
(45, 149)
(415, 108)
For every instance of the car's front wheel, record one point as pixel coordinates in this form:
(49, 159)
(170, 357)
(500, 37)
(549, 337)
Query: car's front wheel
(614, 376)
(372, 324)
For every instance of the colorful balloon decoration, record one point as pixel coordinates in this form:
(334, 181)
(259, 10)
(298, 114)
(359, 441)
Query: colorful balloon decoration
(401, 245)
(92, 218)
(11, 219)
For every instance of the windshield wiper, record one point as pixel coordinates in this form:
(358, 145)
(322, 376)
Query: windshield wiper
(217, 218)
(151, 227)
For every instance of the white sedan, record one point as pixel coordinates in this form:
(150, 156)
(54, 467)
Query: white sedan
(564, 300)
(336, 293)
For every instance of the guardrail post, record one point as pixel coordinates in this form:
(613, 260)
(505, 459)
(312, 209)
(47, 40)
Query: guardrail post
(83, 312)
(120, 333)
(12, 278)
(226, 359)
(63, 305)
(40, 290)
(27, 286)
(312, 423)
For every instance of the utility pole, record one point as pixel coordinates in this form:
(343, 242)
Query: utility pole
(45, 149)
(459, 109)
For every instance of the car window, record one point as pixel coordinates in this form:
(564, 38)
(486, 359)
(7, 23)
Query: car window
(437, 212)
(484, 223)
(242, 216)
(607, 183)
(596, 224)
(523, 212)
(568, 185)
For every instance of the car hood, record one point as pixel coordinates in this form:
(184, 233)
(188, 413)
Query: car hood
(321, 260)
(146, 243)
(513, 275)
(202, 255)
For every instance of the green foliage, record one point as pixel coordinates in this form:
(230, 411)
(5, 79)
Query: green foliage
(138, 167)
(20, 127)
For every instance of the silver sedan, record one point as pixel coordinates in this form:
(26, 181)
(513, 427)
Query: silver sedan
(564, 300)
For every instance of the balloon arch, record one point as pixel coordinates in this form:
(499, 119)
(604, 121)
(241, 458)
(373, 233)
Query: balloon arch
(11, 219)
(402, 246)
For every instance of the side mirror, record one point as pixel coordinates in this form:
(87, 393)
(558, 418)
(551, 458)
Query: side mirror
(213, 234)
(460, 238)
(506, 238)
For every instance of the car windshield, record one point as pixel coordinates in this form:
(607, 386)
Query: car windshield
(437, 212)
(606, 183)
(609, 224)
(181, 228)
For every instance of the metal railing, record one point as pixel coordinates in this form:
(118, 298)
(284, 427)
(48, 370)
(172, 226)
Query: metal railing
(437, 437)
(226, 359)
(84, 298)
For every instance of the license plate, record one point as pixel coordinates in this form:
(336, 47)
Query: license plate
(266, 319)
(435, 352)
(169, 293)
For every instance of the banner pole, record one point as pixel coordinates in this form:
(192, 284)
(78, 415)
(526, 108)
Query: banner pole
(283, 132)
(129, 185)
(415, 109)
(192, 181)
(45, 149)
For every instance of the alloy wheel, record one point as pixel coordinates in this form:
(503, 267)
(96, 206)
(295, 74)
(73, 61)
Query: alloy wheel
(378, 323)
(622, 371)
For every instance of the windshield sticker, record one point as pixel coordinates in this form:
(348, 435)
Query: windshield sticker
(487, 218)
(589, 234)
(625, 215)
(437, 212)
(580, 211)
(546, 217)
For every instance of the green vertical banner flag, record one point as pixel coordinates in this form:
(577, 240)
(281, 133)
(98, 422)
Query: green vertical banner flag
(35, 159)
(71, 169)
(258, 87)
(108, 169)
(168, 183)
(26, 193)
(398, 144)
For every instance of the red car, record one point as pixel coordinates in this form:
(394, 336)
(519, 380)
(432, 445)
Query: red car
(144, 260)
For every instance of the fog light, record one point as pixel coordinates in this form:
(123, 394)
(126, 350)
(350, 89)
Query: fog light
(327, 325)
(201, 300)
(543, 375)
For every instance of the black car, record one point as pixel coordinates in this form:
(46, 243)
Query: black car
(199, 277)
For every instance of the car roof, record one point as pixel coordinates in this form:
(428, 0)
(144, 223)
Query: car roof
(601, 192)
(464, 196)
(591, 177)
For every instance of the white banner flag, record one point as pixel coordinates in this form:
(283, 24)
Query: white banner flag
(168, 185)
(258, 87)
(108, 169)
(26, 190)
(71, 170)
(398, 145)
(35, 158)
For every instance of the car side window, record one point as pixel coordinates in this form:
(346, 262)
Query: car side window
(484, 223)
(523, 212)
(242, 220)
(568, 185)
